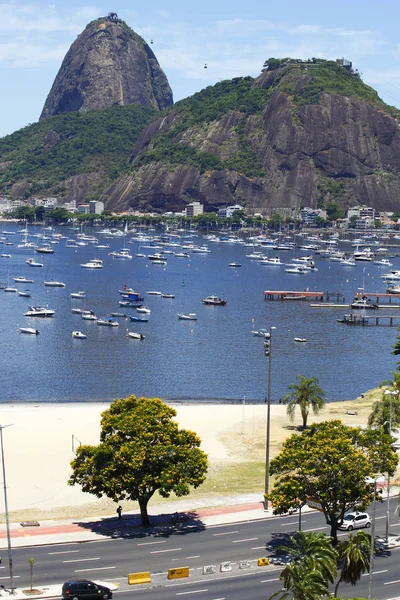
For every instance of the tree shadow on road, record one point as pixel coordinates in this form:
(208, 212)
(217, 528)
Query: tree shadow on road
(130, 527)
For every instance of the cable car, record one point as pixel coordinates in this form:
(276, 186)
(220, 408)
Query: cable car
(205, 65)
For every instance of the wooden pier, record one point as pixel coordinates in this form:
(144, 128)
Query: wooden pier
(357, 319)
(375, 296)
(290, 295)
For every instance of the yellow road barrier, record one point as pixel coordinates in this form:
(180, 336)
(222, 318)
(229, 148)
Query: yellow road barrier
(263, 562)
(178, 573)
(139, 578)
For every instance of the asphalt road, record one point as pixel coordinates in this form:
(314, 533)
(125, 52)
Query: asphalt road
(113, 559)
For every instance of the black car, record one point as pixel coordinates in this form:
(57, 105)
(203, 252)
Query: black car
(83, 589)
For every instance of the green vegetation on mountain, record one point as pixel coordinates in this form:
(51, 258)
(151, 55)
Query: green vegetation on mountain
(59, 147)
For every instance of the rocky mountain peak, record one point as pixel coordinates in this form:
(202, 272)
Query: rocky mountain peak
(107, 65)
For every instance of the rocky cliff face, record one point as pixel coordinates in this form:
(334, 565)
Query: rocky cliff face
(342, 148)
(107, 65)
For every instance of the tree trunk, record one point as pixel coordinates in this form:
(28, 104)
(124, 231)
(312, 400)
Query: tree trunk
(335, 591)
(143, 502)
(334, 530)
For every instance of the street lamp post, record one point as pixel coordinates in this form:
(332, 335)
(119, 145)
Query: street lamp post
(268, 354)
(374, 481)
(10, 562)
(390, 394)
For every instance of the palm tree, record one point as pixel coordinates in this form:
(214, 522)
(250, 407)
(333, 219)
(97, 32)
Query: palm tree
(354, 558)
(313, 567)
(306, 394)
(381, 414)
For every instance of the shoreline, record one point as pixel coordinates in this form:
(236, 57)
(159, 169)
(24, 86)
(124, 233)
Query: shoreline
(39, 446)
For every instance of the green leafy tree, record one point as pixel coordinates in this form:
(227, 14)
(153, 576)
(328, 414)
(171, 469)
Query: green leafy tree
(385, 410)
(141, 451)
(307, 395)
(328, 463)
(354, 555)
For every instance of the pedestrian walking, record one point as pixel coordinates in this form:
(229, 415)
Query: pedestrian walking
(119, 512)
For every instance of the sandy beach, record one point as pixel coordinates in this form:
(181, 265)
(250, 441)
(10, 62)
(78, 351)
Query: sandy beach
(40, 442)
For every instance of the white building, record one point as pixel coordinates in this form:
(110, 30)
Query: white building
(193, 209)
(96, 207)
(226, 213)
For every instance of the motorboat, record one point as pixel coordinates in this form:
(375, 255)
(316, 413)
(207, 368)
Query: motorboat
(78, 335)
(132, 296)
(44, 249)
(363, 255)
(138, 319)
(32, 263)
(78, 295)
(168, 296)
(159, 261)
(299, 339)
(151, 293)
(89, 317)
(31, 330)
(235, 264)
(383, 262)
(214, 301)
(143, 309)
(96, 263)
(118, 315)
(188, 317)
(124, 253)
(274, 261)
(53, 283)
(134, 335)
(363, 303)
(23, 280)
(297, 269)
(10, 289)
(260, 333)
(82, 311)
(182, 254)
(39, 311)
(394, 289)
(107, 322)
(348, 262)
(24, 293)
(156, 257)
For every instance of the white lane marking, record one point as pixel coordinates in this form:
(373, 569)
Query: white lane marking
(259, 548)
(195, 556)
(390, 582)
(63, 552)
(191, 592)
(375, 572)
(291, 523)
(97, 569)
(245, 540)
(80, 560)
(15, 577)
(225, 533)
(266, 580)
(315, 528)
(168, 550)
(151, 543)
(377, 518)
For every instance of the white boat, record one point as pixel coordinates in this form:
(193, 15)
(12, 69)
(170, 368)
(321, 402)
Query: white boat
(39, 311)
(78, 335)
(274, 261)
(260, 333)
(32, 263)
(82, 311)
(134, 335)
(122, 254)
(168, 295)
(89, 317)
(348, 262)
(23, 280)
(151, 293)
(78, 295)
(44, 249)
(10, 289)
(24, 294)
(363, 255)
(53, 283)
(214, 301)
(235, 264)
(181, 254)
(31, 330)
(188, 317)
(107, 322)
(95, 263)
(297, 269)
(143, 309)
(383, 262)
(298, 339)
(363, 304)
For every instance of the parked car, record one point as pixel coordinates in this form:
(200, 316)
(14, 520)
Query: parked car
(83, 589)
(355, 520)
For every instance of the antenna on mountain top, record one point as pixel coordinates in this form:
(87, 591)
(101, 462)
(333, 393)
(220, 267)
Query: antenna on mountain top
(112, 16)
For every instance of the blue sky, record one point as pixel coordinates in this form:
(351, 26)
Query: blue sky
(234, 39)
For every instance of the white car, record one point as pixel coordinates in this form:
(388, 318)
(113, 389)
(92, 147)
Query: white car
(355, 520)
